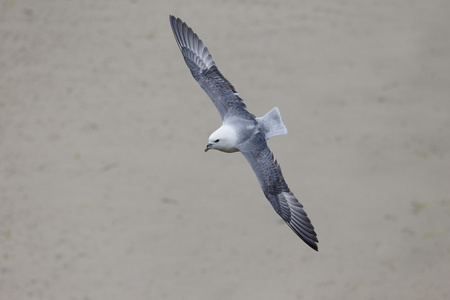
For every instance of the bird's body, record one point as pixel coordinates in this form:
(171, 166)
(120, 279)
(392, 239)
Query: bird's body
(242, 131)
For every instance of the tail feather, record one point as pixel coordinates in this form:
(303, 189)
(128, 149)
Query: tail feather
(272, 123)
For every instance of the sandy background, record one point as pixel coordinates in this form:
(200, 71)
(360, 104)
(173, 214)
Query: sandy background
(106, 193)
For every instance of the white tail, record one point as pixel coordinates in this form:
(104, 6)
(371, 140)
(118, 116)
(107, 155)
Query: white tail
(272, 123)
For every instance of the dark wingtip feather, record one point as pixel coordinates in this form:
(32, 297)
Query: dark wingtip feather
(311, 241)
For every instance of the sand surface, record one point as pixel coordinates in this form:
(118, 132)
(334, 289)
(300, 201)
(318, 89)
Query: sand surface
(106, 193)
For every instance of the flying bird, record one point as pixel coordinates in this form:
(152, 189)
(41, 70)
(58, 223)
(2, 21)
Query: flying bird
(242, 131)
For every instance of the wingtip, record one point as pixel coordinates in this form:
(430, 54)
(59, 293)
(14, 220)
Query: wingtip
(309, 239)
(174, 20)
(310, 243)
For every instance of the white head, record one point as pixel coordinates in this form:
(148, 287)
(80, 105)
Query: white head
(223, 139)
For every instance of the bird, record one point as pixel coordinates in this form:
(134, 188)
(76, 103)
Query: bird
(242, 131)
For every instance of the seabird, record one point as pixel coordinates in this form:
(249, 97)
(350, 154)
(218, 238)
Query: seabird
(242, 131)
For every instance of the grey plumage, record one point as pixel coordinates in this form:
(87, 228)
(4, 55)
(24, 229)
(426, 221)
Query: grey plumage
(204, 70)
(242, 131)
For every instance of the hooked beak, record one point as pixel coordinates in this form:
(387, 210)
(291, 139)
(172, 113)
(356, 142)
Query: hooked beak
(209, 146)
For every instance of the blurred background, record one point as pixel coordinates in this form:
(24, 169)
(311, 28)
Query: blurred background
(106, 193)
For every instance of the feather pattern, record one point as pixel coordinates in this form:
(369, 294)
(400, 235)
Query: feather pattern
(276, 190)
(203, 69)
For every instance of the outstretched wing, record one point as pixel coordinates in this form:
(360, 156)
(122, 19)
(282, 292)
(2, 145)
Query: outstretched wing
(204, 70)
(275, 189)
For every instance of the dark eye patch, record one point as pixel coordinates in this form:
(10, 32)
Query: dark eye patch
(216, 141)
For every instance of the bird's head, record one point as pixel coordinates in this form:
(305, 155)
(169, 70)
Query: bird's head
(223, 139)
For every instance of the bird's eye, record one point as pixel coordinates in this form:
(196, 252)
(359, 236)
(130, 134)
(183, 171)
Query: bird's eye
(216, 141)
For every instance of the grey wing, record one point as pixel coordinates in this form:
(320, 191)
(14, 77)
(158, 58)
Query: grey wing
(275, 189)
(204, 70)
